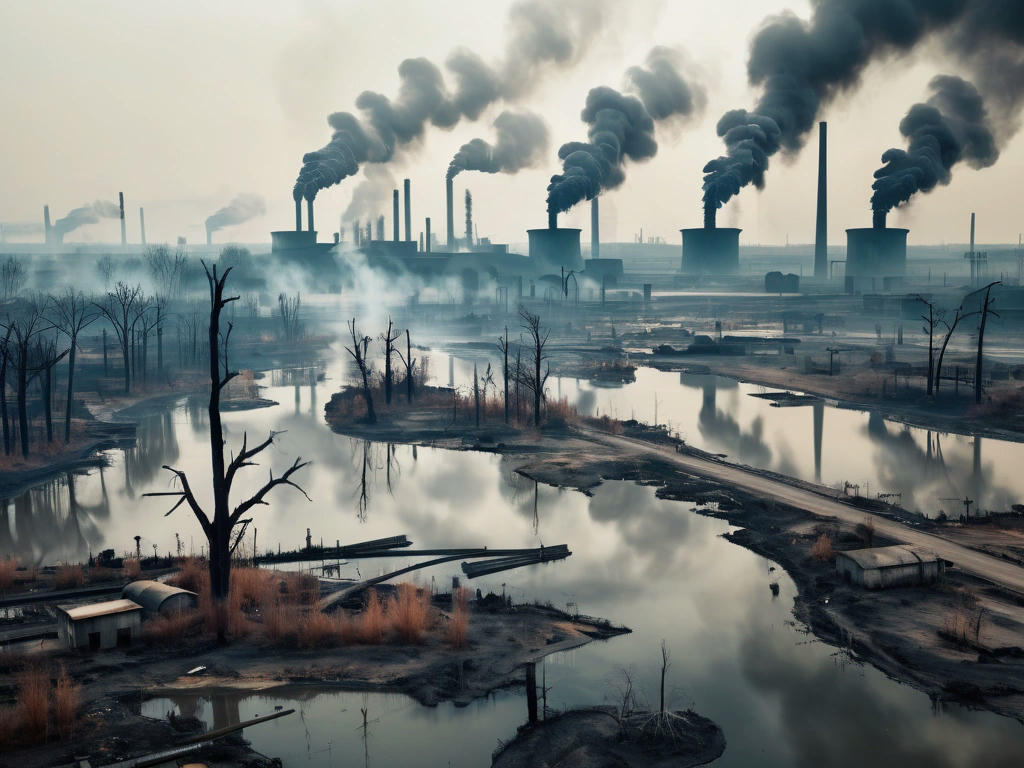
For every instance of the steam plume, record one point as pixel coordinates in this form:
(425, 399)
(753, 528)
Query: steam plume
(86, 214)
(371, 195)
(621, 127)
(522, 138)
(539, 36)
(239, 210)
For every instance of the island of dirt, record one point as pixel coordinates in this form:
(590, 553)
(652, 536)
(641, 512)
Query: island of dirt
(958, 640)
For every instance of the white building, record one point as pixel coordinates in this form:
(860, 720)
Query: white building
(99, 625)
(882, 567)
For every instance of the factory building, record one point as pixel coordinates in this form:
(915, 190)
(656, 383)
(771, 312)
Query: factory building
(99, 625)
(159, 599)
(882, 567)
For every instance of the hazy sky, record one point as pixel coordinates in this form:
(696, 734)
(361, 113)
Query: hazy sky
(184, 105)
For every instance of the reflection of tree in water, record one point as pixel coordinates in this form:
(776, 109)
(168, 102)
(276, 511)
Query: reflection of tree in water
(156, 444)
(522, 492)
(367, 463)
(197, 415)
(51, 524)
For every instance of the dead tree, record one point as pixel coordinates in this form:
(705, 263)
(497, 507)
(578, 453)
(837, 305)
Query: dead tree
(220, 527)
(24, 330)
(289, 307)
(5, 356)
(410, 364)
(389, 348)
(534, 379)
(166, 270)
(358, 353)
(929, 328)
(950, 328)
(146, 319)
(72, 314)
(46, 358)
(119, 307)
(503, 347)
(13, 276)
(476, 395)
(986, 309)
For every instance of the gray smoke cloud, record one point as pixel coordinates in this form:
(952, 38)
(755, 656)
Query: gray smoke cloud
(621, 127)
(952, 126)
(539, 36)
(521, 140)
(239, 210)
(87, 214)
(371, 195)
(801, 65)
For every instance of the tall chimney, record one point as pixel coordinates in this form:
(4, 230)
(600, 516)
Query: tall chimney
(394, 216)
(428, 234)
(878, 219)
(595, 233)
(124, 232)
(469, 219)
(142, 225)
(552, 219)
(408, 211)
(309, 215)
(972, 231)
(821, 227)
(47, 228)
(449, 198)
(298, 214)
(710, 212)
(380, 227)
(369, 230)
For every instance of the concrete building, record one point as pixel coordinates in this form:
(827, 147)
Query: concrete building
(99, 625)
(882, 567)
(159, 599)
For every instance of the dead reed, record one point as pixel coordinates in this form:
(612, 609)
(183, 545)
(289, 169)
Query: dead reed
(409, 613)
(8, 569)
(69, 576)
(65, 704)
(458, 627)
(33, 702)
(822, 549)
(170, 629)
(369, 625)
(131, 568)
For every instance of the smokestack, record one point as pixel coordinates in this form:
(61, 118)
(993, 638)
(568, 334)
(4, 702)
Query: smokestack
(394, 216)
(298, 215)
(821, 227)
(449, 197)
(710, 212)
(469, 219)
(47, 233)
(428, 234)
(309, 215)
(595, 234)
(408, 211)
(878, 219)
(124, 232)
(142, 225)
(972, 231)
(380, 227)
(552, 220)
(355, 234)
(209, 236)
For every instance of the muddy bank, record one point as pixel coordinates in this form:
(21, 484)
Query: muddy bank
(605, 736)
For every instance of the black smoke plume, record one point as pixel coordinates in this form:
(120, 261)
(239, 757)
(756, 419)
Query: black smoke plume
(239, 210)
(801, 65)
(540, 35)
(86, 214)
(621, 127)
(951, 126)
(522, 138)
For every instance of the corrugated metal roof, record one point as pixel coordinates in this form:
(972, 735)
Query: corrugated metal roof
(889, 557)
(152, 594)
(91, 611)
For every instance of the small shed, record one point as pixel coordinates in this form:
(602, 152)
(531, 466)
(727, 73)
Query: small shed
(882, 567)
(159, 599)
(99, 625)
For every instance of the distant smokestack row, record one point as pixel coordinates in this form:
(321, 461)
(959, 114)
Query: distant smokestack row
(821, 226)
(142, 225)
(595, 230)
(428, 235)
(878, 218)
(380, 227)
(408, 211)
(309, 216)
(394, 215)
(449, 197)
(124, 231)
(298, 214)
(47, 228)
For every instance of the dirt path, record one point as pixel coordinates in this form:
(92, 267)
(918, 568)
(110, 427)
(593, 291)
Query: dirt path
(979, 564)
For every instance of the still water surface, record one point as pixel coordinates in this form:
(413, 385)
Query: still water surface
(782, 698)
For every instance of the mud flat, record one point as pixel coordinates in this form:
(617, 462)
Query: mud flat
(914, 634)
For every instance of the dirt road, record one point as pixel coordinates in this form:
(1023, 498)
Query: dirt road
(985, 566)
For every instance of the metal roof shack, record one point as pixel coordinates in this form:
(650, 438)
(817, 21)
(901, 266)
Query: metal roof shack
(883, 567)
(99, 625)
(159, 599)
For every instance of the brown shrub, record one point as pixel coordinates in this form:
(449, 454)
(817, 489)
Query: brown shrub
(409, 612)
(167, 629)
(458, 627)
(8, 568)
(866, 531)
(33, 702)
(65, 704)
(131, 568)
(822, 549)
(193, 576)
(370, 623)
(69, 576)
(321, 630)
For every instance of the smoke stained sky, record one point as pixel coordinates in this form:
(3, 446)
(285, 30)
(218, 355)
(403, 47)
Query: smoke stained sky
(183, 105)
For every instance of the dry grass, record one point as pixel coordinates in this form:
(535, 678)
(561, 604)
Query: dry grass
(322, 630)
(169, 629)
(458, 627)
(409, 613)
(369, 625)
(65, 704)
(8, 569)
(193, 575)
(131, 568)
(822, 549)
(69, 576)
(33, 702)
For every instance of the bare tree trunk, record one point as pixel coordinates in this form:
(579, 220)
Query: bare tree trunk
(476, 395)
(47, 405)
(408, 367)
(71, 381)
(981, 341)
(22, 409)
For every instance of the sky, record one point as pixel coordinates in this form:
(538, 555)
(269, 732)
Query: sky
(184, 105)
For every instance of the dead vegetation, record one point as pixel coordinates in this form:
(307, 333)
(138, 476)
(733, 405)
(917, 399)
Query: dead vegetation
(822, 550)
(42, 707)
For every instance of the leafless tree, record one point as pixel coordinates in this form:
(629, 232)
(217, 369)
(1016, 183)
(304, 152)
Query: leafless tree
(45, 358)
(950, 328)
(986, 310)
(476, 395)
(410, 366)
(5, 356)
(389, 338)
(930, 321)
(167, 270)
(534, 379)
(219, 528)
(503, 348)
(23, 331)
(289, 307)
(358, 353)
(72, 313)
(13, 277)
(105, 266)
(146, 319)
(119, 307)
